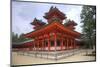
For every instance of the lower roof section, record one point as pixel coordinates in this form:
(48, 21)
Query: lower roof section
(50, 28)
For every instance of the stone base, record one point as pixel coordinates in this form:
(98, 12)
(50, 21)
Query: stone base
(53, 55)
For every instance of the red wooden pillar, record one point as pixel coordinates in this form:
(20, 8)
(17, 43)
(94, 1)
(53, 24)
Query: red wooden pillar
(48, 42)
(61, 43)
(42, 44)
(37, 44)
(55, 41)
(74, 43)
(71, 43)
(33, 45)
(65, 43)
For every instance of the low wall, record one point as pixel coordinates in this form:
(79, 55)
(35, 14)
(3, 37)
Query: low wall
(54, 55)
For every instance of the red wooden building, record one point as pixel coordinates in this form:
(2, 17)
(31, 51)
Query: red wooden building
(54, 35)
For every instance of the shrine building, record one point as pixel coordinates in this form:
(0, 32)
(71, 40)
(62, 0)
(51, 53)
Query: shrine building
(53, 35)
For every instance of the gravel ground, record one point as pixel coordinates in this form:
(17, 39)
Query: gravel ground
(26, 60)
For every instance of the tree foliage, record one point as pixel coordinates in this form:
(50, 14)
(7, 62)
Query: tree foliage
(18, 38)
(88, 19)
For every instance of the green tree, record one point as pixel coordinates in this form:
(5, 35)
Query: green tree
(14, 37)
(18, 38)
(88, 18)
(22, 38)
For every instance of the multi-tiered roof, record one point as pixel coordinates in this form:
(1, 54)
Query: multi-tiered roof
(70, 24)
(54, 14)
(55, 23)
(37, 23)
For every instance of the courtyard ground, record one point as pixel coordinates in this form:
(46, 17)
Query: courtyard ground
(27, 60)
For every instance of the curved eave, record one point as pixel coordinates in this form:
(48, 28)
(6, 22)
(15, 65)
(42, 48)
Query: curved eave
(50, 27)
(77, 34)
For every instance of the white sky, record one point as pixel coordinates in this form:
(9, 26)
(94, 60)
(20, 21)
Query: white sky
(23, 13)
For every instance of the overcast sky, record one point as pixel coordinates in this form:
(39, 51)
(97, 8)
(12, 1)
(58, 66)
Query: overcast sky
(23, 13)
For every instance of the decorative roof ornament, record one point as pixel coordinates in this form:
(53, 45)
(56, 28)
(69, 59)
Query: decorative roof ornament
(54, 13)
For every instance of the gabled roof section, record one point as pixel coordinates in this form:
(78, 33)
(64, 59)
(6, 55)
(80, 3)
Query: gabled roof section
(70, 22)
(37, 22)
(53, 11)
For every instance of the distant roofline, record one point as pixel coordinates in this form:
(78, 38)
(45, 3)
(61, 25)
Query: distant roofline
(22, 42)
